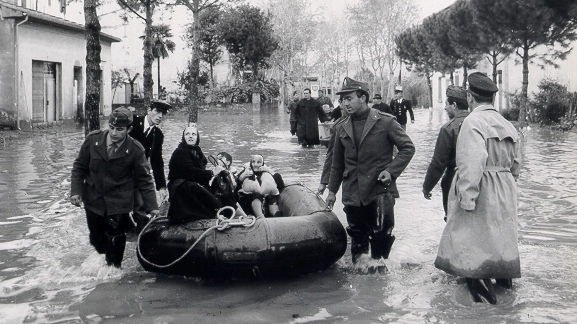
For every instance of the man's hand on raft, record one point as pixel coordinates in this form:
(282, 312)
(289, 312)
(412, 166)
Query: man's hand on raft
(321, 189)
(76, 200)
(331, 198)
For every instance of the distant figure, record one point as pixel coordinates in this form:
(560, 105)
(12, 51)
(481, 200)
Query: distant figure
(146, 131)
(381, 106)
(292, 106)
(479, 241)
(443, 160)
(109, 168)
(400, 106)
(308, 112)
(324, 100)
(363, 163)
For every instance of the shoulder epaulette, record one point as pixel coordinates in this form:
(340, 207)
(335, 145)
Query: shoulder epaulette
(98, 131)
(137, 144)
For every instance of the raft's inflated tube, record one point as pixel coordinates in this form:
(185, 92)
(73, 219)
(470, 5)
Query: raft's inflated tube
(308, 240)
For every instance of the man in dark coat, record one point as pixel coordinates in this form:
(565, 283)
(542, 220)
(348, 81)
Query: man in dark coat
(400, 106)
(292, 106)
(109, 168)
(308, 112)
(146, 131)
(363, 162)
(381, 106)
(443, 160)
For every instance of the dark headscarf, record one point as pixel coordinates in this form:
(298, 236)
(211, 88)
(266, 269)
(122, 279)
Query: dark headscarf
(196, 151)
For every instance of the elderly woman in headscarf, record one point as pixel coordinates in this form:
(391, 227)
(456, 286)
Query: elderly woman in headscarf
(188, 181)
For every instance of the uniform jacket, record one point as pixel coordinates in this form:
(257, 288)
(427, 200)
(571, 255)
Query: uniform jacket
(358, 168)
(152, 144)
(106, 184)
(308, 113)
(482, 207)
(445, 151)
(383, 107)
(400, 110)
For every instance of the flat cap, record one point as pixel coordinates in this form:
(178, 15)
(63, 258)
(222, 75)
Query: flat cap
(377, 96)
(160, 105)
(457, 93)
(120, 117)
(350, 85)
(481, 84)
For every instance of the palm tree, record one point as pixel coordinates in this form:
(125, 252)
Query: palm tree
(161, 45)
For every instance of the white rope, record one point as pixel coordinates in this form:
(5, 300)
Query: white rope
(222, 223)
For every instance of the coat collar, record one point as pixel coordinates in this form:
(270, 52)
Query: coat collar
(100, 147)
(371, 121)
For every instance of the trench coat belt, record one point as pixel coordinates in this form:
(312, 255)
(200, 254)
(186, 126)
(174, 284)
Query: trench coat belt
(495, 168)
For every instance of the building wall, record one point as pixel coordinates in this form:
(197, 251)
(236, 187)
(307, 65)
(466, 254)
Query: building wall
(67, 48)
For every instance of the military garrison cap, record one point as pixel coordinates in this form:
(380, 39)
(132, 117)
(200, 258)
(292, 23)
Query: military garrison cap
(377, 96)
(350, 85)
(481, 84)
(160, 105)
(457, 93)
(120, 117)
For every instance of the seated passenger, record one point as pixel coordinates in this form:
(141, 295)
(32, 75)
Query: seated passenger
(188, 181)
(259, 185)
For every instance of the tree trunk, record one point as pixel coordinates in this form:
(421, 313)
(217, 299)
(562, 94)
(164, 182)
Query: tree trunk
(93, 73)
(158, 77)
(524, 87)
(452, 78)
(194, 65)
(495, 64)
(148, 83)
(400, 72)
(430, 87)
(465, 74)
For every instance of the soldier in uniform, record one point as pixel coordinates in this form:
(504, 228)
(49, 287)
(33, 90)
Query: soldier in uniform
(400, 106)
(363, 163)
(479, 241)
(146, 131)
(109, 168)
(443, 160)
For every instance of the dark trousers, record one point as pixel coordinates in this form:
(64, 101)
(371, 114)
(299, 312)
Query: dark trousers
(362, 220)
(108, 234)
(293, 127)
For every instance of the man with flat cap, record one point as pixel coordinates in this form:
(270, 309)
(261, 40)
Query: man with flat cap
(146, 131)
(443, 160)
(363, 163)
(479, 241)
(109, 168)
(381, 106)
(400, 107)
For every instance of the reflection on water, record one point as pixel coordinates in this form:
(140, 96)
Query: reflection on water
(50, 273)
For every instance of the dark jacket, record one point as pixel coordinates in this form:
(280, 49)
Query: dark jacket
(188, 163)
(308, 113)
(107, 185)
(445, 151)
(400, 110)
(383, 107)
(358, 168)
(292, 106)
(152, 144)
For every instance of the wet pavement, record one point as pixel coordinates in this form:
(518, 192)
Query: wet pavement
(50, 274)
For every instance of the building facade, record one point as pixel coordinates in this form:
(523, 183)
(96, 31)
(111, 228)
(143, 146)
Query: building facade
(43, 66)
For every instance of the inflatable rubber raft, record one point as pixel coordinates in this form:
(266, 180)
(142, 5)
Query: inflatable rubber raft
(307, 239)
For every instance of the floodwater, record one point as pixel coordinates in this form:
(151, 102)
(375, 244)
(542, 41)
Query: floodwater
(50, 274)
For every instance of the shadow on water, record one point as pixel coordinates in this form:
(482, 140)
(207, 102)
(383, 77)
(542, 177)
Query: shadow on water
(50, 273)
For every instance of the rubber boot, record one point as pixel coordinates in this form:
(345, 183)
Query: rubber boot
(115, 245)
(505, 283)
(381, 246)
(482, 289)
(359, 243)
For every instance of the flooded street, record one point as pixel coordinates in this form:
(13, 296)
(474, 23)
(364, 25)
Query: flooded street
(50, 273)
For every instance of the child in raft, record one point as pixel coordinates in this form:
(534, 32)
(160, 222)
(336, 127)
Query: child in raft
(259, 186)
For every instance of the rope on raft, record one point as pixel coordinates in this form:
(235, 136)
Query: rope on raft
(222, 223)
